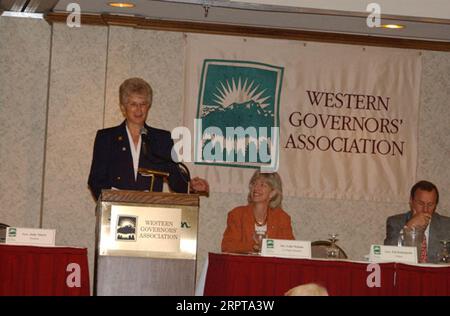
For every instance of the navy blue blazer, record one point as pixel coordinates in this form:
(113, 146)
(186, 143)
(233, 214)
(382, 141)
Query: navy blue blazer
(112, 162)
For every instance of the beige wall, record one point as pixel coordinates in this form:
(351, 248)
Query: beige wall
(75, 112)
(87, 66)
(24, 66)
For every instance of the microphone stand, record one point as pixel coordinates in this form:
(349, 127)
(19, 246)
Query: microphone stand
(184, 170)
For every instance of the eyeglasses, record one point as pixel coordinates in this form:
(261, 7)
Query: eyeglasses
(135, 105)
(423, 204)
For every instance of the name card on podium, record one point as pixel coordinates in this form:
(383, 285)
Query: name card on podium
(286, 248)
(381, 253)
(30, 236)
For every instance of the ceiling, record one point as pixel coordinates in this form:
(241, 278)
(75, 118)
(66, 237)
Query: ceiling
(27, 6)
(424, 20)
(413, 8)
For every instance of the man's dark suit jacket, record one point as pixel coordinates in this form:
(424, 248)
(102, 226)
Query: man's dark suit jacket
(439, 230)
(112, 162)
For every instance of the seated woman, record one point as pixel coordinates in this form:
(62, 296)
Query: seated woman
(262, 217)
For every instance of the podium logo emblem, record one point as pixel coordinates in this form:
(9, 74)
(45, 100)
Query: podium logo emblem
(126, 228)
(239, 107)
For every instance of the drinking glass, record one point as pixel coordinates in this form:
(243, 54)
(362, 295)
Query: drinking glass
(259, 237)
(333, 250)
(444, 255)
(412, 237)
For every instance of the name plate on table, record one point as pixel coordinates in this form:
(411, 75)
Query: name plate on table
(30, 236)
(286, 248)
(381, 253)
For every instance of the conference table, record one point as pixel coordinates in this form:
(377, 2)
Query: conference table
(43, 271)
(250, 275)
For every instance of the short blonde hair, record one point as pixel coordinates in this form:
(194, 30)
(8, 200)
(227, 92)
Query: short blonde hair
(310, 289)
(135, 86)
(274, 181)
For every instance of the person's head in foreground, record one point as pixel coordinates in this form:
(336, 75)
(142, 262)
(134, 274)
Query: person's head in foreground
(310, 289)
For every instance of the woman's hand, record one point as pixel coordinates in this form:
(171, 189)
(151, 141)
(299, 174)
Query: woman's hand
(199, 185)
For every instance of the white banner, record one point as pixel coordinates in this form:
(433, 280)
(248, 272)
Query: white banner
(347, 115)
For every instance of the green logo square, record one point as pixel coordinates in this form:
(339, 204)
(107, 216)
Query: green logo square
(238, 106)
(377, 250)
(12, 232)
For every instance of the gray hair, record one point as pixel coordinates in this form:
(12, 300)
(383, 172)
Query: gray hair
(274, 181)
(135, 86)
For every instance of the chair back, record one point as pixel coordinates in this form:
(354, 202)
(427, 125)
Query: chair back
(3, 232)
(319, 249)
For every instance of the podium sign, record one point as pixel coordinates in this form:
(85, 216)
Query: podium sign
(139, 230)
(144, 229)
(146, 243)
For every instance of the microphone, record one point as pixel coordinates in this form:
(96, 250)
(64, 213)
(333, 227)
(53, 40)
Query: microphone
(144, 149)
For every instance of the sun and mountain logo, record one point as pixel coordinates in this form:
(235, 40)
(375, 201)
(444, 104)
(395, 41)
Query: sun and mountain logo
(239, 109)
(126, 228)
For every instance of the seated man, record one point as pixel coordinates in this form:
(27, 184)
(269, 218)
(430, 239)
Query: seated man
(423, 201)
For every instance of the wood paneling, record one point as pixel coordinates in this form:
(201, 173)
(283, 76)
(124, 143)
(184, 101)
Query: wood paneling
(210, 28)
(147, 197)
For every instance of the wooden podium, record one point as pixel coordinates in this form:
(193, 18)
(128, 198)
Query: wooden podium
(146, 243)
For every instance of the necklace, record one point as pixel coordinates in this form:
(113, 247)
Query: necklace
(261, 223)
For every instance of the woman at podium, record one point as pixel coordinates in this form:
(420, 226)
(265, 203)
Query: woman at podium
(261, 218)
(120, 151)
